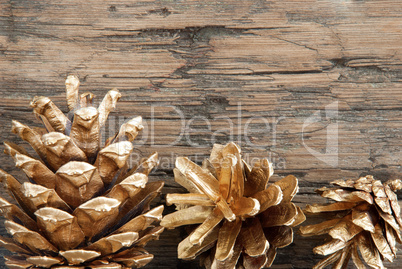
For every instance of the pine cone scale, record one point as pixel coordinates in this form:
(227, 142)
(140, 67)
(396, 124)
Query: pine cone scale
(269, 197)
(368, 251)
(252, 238)
(330, 247)
(186, 250)
(364, 220)
(391, 238)
(282, 214)
(345, 229)
(381, 243)
(319, 228)
(212, 220)
(60, 227)
(258, 177)
(227, 238)
(203, 180)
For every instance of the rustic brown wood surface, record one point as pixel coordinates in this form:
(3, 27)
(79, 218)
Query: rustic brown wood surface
(313, 85)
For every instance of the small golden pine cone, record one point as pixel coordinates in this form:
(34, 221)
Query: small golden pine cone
(368, 219)
(81, 207)
(242, 220)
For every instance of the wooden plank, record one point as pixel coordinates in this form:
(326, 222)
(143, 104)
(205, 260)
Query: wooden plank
(199, 72)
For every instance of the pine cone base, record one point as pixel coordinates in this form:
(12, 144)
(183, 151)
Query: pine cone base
(367, 227)
(81, 206)
(239, 220)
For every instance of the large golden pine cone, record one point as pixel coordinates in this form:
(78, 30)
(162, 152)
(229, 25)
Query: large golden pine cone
(82, 207)
(242, 220)
(368, 219)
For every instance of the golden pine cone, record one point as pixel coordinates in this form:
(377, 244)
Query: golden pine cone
(82, 207)
(242, 220)
(368, 219)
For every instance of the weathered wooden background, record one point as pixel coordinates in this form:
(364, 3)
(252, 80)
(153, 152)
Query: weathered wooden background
(282, 78)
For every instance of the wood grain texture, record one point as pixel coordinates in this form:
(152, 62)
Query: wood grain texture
(205, 71)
